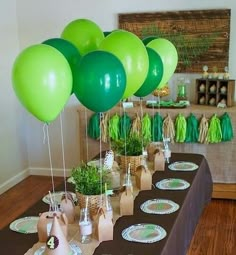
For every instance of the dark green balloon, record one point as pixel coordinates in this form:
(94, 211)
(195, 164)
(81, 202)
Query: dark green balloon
(69, 51)
(106, 33)
(148, 39)
(154, 76)
(100, 81)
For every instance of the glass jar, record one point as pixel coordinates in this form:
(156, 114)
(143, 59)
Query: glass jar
(127, 181)
(109, 210)
(182, 89)
(85, 225)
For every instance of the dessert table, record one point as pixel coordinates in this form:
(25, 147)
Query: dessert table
(179, 225)
(220, 156)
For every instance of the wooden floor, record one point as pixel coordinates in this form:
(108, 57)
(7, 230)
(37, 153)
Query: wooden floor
(215, 233)
(19, 198)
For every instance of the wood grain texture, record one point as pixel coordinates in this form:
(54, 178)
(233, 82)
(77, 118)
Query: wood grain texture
(201, 37)
(18, 199)
(223, 190)
(215, 233)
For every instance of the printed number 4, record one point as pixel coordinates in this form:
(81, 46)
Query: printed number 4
(52, 242)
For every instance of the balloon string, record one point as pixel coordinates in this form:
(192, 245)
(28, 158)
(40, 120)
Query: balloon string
(86, 132)
(121, 106)
(159, 104)
(153, 113)
(125, 133)
(109, 116)
(63, 153)
(50, 160)
(100, 150)
(141, 112)
(44, 132)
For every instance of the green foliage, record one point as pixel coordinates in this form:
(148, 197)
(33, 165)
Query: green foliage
(89, 180)
(132, 146)
(188, 48)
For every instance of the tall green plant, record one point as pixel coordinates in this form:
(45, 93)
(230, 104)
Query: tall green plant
(132, 146)
(89, 180)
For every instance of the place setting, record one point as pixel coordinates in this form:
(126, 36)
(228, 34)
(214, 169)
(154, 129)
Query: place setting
(74, 249)
(144, 233)
(159, 206)
(25, 225)
(172, 184)
(57, 197)
(183, 166)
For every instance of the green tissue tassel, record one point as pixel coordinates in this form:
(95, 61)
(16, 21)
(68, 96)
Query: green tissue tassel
(94, 126)
(192, 132)
(156, 127)
(180, 128)
(146, 128)
(113, 127)
(226, 127)
(214, 134)
(125, 125)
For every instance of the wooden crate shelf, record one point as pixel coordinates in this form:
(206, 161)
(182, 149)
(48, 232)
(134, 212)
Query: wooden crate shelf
(213, 91)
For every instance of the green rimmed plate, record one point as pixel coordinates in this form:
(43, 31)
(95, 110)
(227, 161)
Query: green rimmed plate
(57, 195)
(75, 249)
(159, 206)
(144, 233)
(26, 225)
(183, 166)
(172, 184)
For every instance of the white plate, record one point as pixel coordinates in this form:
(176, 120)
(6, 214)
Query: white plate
(96, 162)
(57, 197)
(74, 248)
(159, 206)
(26, 225)
(172, 184)
(144, 233)
(183, 166)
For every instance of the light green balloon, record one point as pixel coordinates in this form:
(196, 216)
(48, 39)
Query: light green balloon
(132, 53)
(42, 81)
(169, 57)
(84, 34)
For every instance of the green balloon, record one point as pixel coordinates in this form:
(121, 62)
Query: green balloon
(132, 53)
(101, 81)
(42, 81)
(69, 51)
(169, 57)
(84, 34)
(148, 39)
(106, 33)
(154, 76)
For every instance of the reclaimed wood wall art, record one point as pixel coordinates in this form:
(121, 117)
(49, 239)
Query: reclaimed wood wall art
(201, 37)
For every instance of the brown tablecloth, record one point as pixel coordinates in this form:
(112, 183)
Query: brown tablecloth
(179, 225)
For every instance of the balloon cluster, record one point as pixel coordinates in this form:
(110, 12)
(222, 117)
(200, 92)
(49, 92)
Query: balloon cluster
(100, 68)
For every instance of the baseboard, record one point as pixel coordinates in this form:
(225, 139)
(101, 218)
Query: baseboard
(47, 171)
(224, 191)
(14, 180)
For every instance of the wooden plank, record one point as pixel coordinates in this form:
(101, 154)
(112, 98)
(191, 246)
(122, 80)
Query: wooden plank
(225, 191)
(201, 37)
(18, 199)
(215, 232)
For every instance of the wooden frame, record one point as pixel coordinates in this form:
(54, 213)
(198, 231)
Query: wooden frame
(200, 36)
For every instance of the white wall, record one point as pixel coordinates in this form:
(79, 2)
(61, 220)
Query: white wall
(37, 21)
(13, 149)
